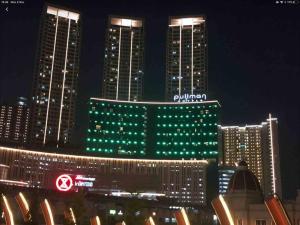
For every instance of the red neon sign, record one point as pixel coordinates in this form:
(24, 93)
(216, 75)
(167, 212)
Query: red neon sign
(64, 182)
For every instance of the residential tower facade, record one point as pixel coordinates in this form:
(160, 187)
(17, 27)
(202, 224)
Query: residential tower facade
(56, 76)
(14, 122)
(124, 59)
(258, 146)
(186, 66)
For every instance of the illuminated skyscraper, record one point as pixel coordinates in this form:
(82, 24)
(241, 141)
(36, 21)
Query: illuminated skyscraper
(56, 76)
(124, 59)
(186, 71)
(258, 146)
(14, 119)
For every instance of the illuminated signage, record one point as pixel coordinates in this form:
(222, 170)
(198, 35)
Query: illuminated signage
(112, 212)
(82, 181)
(65, 182)
(81, 177)
(190, 98)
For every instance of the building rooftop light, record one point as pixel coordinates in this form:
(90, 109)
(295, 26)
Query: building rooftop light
(186, 21)
(126, 22)
(63, 13)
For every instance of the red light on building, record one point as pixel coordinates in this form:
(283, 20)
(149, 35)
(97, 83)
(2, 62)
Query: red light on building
(64, 182)
(67, 182)
(221, 209)
(276, 210)
(181, 217)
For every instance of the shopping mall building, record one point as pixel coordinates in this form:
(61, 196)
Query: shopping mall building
(182, 180)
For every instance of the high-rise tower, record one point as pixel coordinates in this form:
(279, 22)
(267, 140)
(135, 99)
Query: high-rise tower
(56, 76)
(186, 70)
(258, 146)
(14, 119)
(124, 59)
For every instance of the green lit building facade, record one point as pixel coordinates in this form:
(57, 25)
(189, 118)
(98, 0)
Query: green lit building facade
(154, 130)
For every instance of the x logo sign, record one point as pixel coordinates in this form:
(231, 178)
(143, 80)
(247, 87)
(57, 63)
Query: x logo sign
(64, 182)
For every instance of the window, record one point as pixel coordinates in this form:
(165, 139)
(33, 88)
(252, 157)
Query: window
(261, 222)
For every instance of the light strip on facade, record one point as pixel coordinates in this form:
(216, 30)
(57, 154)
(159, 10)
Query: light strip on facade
(179, 78)
(13, 182)
(51, 76)
(98, 220)
(64, 80)
(150, 221)
(276, 210)
(24, 206)
(119, 55)
(272, 154)
(4, 166)
(241, 127)
(151, 194)
(73, 216)
(49, 212)
(9, 217)
(185, 217)
(181, 217)
(95, 220)
(253, 126)
(227, 211)
(130, 65)
(156, 103)
(22, 197)
(192, 62)
(36, 153)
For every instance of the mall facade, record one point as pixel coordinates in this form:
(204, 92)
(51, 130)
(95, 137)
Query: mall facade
(183, 182)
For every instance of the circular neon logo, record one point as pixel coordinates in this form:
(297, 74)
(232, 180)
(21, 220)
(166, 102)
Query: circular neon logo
(64, 182)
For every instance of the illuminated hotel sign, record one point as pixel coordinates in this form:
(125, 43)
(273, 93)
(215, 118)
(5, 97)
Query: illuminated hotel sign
(67, 182)
(190, 98)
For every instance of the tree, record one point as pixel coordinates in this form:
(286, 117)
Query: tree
(133, 212)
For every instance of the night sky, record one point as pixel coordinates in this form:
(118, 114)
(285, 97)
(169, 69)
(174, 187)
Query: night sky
(253, 63)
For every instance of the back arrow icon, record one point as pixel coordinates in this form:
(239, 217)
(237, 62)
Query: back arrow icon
(6, 9)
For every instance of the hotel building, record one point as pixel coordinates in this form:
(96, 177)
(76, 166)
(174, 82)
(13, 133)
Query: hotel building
(186, 70)
(258, 146)
(156, 130)
(55, 77)
(124, 59)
